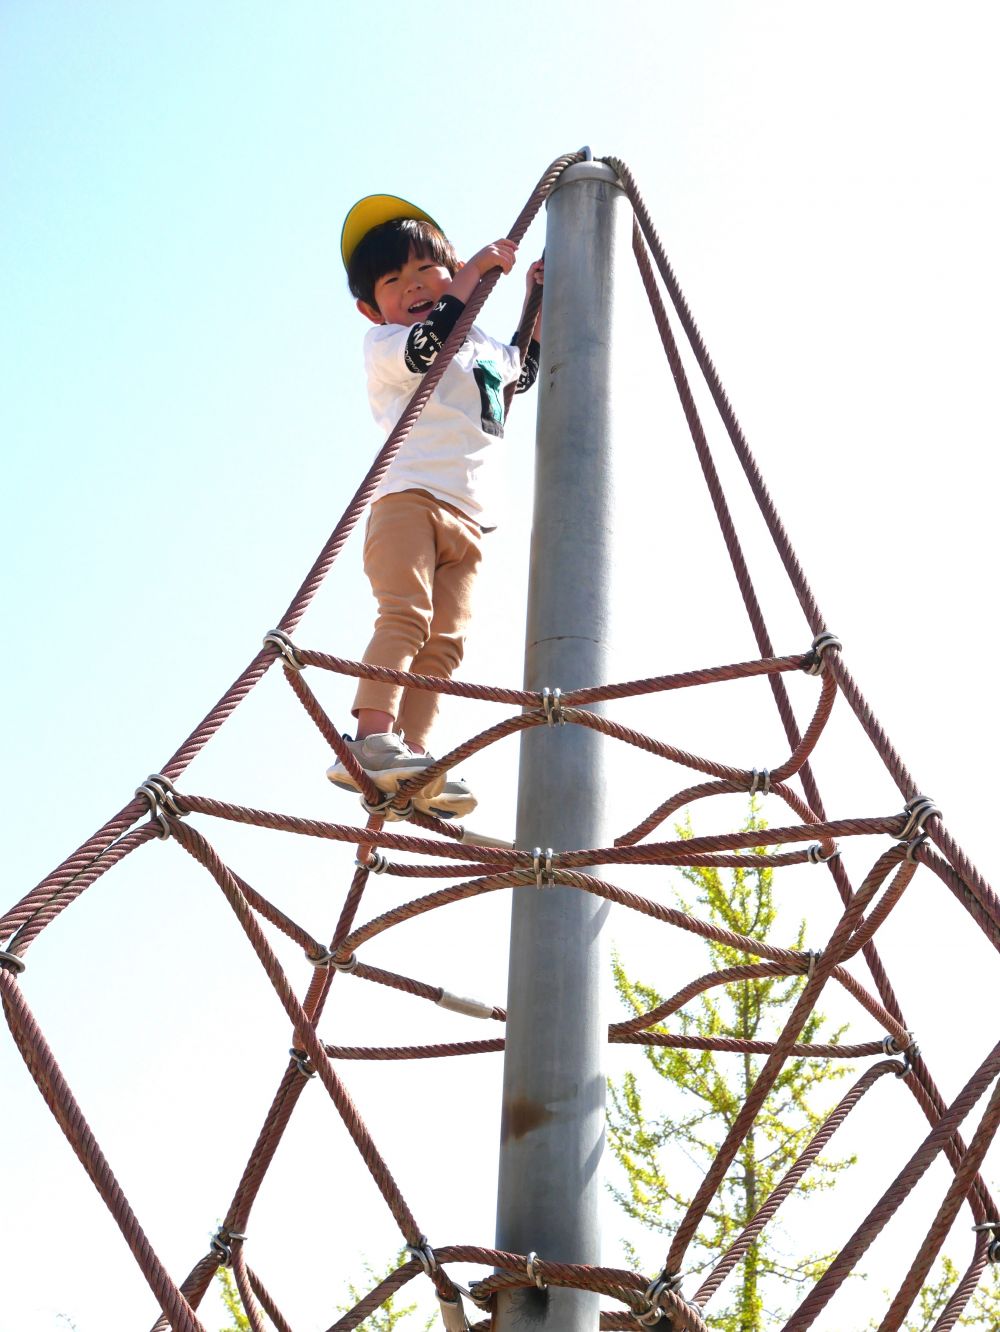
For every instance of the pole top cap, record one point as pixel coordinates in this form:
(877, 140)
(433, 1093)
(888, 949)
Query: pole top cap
(587, 171)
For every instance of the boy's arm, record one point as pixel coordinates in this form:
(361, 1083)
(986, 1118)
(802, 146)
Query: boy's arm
(426, 339)
(530, 361)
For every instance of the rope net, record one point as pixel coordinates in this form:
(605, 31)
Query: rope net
(911, 839)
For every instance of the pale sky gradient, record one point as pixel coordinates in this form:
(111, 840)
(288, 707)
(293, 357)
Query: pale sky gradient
(184, 417)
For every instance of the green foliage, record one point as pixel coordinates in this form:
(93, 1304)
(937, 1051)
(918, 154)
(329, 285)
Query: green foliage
(231, 1299)
(704, 1092)
(386, 1317)
(982, 1312)
(389, 1313)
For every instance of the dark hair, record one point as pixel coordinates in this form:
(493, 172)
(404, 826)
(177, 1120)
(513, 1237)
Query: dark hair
(387, 247)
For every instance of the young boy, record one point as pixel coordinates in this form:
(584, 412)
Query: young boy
(428, 516)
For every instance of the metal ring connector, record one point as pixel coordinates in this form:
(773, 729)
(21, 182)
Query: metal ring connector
(820, 644)
(375, 864)
(350, 965)
(917, 811)
(542, 867)
(321, 959)
(11, 962)
(424, 1254)
(279, 639)
(301, 1061)
(760, 781)
(552, 703)
(816, 856)
(533, 1274)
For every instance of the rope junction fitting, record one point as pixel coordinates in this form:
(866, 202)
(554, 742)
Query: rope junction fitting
(301, 1061)
(497, 865)
(541, 862)
(424, 1254)
(760, 781)
(280, 640)
(11, 962)
(820, 645)
(375, 864)
(916, 811)
(161, 796)
(386, 808)
(816, 856)
(222, 1243)
(532, 1270)
(552, 702)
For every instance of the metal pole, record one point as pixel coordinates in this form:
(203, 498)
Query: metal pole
(552, 1132)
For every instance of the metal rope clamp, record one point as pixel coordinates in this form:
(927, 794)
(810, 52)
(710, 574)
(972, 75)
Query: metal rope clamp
(424, 1254)
(760, 781)
(541, 862)
(891, 1046)
(11, 962)
(385, 806)
(531, 1266)
(301, 1061)
(222, 1243)
(279, 639)
(375, 864)
(820, 644)
(993, 1252)
(654, 1291)
(161, 794)
(553, 705)
(917, 812)
(814, 955)
(816, 856)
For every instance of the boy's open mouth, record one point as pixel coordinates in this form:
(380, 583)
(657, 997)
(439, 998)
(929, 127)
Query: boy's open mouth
(419, 307)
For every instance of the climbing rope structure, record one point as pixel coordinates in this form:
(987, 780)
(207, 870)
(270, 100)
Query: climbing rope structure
(912, 839)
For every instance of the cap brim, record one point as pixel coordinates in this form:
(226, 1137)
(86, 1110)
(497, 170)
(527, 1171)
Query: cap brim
(372, 211)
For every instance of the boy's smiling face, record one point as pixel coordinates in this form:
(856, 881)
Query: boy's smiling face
(408, 294)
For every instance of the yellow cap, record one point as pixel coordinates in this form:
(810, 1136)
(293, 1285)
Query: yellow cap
(372, 211)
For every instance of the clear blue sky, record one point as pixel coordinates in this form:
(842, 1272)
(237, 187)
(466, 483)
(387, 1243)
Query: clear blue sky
(183, 418)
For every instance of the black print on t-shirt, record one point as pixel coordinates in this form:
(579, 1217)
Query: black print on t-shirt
(488, 378)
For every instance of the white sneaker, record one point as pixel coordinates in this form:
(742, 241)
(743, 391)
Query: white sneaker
(387, 759)
(453, 802)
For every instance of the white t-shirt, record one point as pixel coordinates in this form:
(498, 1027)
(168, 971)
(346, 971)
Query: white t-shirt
(448, 446)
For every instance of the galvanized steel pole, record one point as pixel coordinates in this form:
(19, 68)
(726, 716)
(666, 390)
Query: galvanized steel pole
(552, 1134)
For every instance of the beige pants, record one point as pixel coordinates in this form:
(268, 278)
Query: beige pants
(421, 558)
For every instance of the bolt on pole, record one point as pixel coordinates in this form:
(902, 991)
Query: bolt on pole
(552, 1133)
